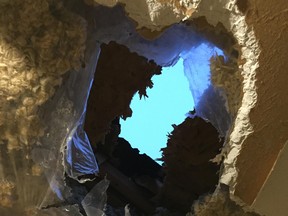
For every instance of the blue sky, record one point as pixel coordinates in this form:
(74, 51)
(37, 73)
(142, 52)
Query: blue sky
(168, 102)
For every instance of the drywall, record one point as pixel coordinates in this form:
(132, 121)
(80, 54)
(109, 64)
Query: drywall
(272, 199)
(269, 117)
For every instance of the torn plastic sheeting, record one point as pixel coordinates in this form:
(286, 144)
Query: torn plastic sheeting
(66, 135)
(212, 107)
(79, 155)
(209, 103)
(95, 201)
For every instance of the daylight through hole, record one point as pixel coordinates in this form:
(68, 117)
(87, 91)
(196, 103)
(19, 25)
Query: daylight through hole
(169, 101)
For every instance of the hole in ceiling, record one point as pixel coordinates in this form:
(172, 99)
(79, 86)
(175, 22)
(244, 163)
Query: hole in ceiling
(167, 103)
(125, 67)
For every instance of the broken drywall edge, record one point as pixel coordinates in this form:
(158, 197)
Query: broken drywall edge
(228, 14)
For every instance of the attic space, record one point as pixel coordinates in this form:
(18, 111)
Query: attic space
(71, 72)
